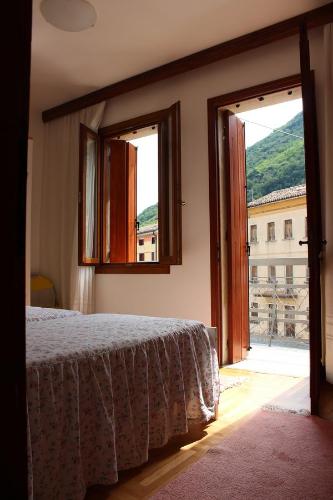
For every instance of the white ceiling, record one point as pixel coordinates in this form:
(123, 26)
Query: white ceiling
(131, 36)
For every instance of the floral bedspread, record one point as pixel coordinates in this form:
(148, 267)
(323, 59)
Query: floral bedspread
(45, 313)
(103, 389)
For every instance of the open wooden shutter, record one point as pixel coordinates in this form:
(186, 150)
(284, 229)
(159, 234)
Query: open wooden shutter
(170, 203)
(119, 202)
(89, 198)
(238, 321)
(131, 165)
(315, 243)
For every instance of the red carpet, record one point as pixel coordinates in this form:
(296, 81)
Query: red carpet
(272, 456)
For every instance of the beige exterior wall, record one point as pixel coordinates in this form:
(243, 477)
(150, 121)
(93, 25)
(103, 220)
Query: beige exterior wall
(294, 210)
(148, 249)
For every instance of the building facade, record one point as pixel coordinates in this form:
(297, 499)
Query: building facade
(278, 271)
(147, 243)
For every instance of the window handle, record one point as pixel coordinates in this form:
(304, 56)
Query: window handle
(137, 225)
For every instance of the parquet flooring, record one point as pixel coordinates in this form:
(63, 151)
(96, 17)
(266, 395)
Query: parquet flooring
(236, 405)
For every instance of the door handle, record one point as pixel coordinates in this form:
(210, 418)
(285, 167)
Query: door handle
(323, 243)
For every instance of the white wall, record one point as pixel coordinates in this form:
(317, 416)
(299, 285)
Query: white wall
(28, 224)
(186, 292)
(36, 133)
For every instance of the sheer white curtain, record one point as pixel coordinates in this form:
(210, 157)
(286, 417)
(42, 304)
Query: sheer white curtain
(328, 196)
(75, 286)
(90, 196)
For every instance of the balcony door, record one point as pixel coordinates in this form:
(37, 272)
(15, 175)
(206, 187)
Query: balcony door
(226, 134)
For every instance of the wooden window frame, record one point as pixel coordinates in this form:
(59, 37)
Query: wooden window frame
(169, 205)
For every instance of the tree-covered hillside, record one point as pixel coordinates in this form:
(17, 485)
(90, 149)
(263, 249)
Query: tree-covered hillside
(277, 161)
(148, 216)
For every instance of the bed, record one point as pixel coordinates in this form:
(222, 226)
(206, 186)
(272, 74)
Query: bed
(103, 389)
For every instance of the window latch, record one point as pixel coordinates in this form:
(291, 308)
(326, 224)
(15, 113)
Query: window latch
(137, 224)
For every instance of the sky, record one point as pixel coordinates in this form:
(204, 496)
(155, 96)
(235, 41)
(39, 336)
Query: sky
(147, 171)
(147, 163)
(271, 116)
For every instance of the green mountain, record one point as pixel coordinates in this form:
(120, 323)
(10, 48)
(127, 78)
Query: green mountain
(149, 215)
(277, 161)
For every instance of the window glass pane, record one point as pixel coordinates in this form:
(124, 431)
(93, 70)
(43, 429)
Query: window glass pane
(289, 274)
(271, 274)
(288, 229)
(271, 231)
(143, 192)
(253, 233)
(147, 190)
(106, 201)
(90, 201)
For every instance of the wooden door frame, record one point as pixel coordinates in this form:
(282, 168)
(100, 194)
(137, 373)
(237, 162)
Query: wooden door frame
(214, 104)
(14, 146)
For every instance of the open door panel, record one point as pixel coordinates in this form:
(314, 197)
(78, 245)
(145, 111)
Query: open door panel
(238, 308)
(315, 243)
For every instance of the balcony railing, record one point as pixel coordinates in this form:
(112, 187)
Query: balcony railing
(278, 305)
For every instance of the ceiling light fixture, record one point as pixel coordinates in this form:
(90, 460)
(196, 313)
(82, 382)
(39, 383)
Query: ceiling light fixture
(69, 15)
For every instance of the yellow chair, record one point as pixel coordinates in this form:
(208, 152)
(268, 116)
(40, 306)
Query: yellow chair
(42, 291)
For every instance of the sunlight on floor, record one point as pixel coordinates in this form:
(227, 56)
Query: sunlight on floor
(278, 360)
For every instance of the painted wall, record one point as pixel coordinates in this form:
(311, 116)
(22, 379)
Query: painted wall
(28, 223)
(36, 133)
(186, 291)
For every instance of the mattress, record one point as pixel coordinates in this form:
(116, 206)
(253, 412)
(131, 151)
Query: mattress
(103, 389)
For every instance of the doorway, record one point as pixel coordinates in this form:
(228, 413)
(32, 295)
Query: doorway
(262, 230)
(276, 230)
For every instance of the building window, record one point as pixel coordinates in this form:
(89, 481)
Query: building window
(153, 256)
(113, 206)
(254, 313)
(307, 320)
(254, 274)
(141, 257)
(271, 231)
(253, 233)
(271, 274)
(289, 326)
(307, 277)
(289, 274)
(288, 229)
(289, 278)
(153, 240)
(272, 320)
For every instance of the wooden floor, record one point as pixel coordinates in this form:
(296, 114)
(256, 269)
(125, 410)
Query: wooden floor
(236, 405)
